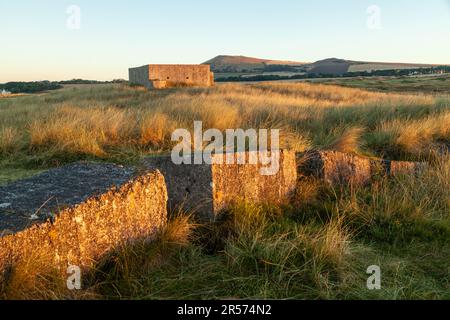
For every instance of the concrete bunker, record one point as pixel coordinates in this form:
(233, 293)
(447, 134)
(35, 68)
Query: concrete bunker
(160, 76)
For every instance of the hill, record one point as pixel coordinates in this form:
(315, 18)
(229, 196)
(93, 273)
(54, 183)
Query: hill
(335, 66)
(330, 66)
(230, 64)
(240, 66)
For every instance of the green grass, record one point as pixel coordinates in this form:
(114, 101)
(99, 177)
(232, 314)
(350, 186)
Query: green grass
(122, 124)
(8, 175)
(318, 247)
(422, 84)
(320, 250)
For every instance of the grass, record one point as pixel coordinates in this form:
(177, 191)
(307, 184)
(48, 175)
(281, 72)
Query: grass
(428, 84)
(318, 247)
(122, 124)
(318, 250)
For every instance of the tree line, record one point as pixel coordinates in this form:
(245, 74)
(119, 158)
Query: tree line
(40, 86)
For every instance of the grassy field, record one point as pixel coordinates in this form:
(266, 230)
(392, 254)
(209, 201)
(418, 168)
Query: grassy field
(318, 247)
(122, 124)
(421, 84)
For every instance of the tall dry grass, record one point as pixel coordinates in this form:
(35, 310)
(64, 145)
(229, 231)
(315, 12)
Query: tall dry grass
(311, 249)
(417, 136)
(10, 140)
(111, 121)
(405, 209)
(349, 142)
(319, 248)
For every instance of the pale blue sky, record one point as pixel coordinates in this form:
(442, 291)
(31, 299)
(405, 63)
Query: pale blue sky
(116, 34)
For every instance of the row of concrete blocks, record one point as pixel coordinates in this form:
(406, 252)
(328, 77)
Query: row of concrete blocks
(84, 233)
(206, 190)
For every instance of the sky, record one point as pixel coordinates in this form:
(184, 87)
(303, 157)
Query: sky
(101, 39)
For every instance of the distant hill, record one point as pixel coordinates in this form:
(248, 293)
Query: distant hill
(335, 66)
(332, 66)
(248, 66)
(230, 64)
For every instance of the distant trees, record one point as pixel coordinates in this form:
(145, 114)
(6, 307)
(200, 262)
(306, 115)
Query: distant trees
(82, 81)
(79, 81)
(279, 68)
(399, 72)
(40, 86)
(119, 81)
(29, 87)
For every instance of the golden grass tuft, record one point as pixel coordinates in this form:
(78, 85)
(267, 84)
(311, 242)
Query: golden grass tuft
(417, 137)
(85, 131)
(10, 140)
(65, 136)
(36, 278)
(155, 129)
(134, 260)
(332, 244)
(178, 231)
(349, 141)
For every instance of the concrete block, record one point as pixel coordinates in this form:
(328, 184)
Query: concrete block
(233, 182)
(209, 189)
(339, 168)
(36, 199)
(397, 168)
(188, 186)
(334, 167)
(82, 234)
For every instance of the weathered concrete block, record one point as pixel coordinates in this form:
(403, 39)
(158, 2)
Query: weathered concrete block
(339, 168)
(233, 182)
(209, 189)
(396, 168)
(189, 186)
(82, 234)
(334, 167)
